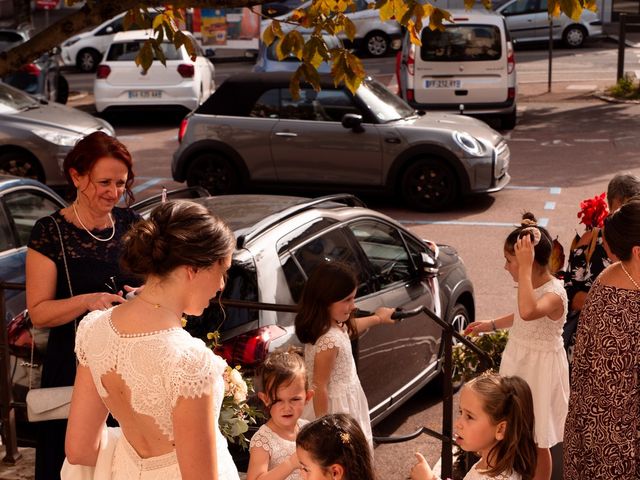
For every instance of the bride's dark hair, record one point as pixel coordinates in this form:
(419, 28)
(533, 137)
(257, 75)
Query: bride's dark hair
(176, 233)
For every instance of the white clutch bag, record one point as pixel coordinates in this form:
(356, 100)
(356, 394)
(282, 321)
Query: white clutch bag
(48, 403)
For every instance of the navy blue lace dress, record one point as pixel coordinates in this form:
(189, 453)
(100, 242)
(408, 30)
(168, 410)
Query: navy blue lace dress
(93, 267)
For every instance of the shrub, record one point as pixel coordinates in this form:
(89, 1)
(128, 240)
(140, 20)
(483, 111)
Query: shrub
(627, 88)
(466, 362)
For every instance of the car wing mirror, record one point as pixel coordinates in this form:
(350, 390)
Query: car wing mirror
(353, 122)
(428, 265)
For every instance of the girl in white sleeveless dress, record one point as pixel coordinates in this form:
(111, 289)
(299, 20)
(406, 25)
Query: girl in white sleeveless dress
(496, 422)
(325, 324)
(284, 391)
(535, 349)
(164, 387)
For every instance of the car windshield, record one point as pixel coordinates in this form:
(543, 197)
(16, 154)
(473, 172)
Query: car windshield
(13, 100)
(386, 106)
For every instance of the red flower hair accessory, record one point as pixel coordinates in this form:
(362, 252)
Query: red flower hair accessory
(593, 211)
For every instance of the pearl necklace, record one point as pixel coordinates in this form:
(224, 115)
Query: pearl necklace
(113, 226)
(630, 277)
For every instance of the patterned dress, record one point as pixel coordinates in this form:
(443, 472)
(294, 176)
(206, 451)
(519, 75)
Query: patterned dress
(535, 352)
(602, 433)
(277, 447)
(345, 392)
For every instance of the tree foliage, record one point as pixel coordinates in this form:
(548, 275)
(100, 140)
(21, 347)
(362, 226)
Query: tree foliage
(322, 16)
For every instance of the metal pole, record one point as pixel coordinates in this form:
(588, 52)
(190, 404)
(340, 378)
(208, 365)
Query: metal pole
(12, 455)
(447, 405)
(621, 41)
(550, 53)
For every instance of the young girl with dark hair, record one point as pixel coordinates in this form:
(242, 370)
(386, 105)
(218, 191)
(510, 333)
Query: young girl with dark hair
(284, 390)
(535, 349)
(334, 447)
(496, 421)
(324, 324)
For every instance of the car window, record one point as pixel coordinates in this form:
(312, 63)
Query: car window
(24, 209)
(268, 105)
(6, 235)
(326, 105)
(241, 284)
(333, 246)
(113, 27)
(461, 43)
(384, 247)
(128, 51)
(520, 7)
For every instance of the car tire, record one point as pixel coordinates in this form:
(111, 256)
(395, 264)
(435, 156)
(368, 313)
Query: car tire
(574, 36)
(460, 320)
(508, 121)
(429, 185)
(377, 44)
(213, 172)
(62, 90)
(21, 164)
(87, 60)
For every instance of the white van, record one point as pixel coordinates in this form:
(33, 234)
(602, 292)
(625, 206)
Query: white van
(469, 67)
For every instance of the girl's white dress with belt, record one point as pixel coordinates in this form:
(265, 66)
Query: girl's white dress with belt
(536, 353)
(344, 390)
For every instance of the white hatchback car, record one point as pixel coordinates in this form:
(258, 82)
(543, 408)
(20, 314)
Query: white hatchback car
(181, 83)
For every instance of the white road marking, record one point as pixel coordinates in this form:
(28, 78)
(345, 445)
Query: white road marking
(582, 87)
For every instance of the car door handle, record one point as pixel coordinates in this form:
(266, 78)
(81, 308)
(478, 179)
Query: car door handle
(286, 134)
(392, 140)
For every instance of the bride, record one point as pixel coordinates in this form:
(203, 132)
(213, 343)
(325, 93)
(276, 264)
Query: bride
(136, 362)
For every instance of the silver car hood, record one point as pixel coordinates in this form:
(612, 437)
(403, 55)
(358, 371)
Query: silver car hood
(463, 123)
(60, 117)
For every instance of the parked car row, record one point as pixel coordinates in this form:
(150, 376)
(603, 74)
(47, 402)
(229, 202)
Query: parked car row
(279, 241)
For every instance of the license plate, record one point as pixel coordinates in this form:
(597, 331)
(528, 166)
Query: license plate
(442, 83)
(145, 93)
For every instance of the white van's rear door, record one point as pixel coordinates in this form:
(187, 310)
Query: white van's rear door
(465, 63)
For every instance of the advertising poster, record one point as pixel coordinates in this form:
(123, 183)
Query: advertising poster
(213, 26)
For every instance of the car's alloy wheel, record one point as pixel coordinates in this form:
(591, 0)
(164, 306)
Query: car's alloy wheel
(20, 164)
(213, 172)
(459, 321)
(88, 60)
(377, 44)
(429, 184)
(574, 36)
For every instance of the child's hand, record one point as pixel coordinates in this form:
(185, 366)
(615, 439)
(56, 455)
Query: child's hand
(384, 314)
(293, 462)
(479, 327)
(421, 470)
(524, 252)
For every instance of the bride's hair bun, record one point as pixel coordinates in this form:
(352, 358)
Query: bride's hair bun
(176, 233)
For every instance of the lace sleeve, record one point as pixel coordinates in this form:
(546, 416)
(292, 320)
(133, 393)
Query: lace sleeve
(261, 440)
(327, 341)
(83, 335)
(44, 238)
(195, 372)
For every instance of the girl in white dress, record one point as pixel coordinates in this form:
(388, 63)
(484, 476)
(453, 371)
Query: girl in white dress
(164, 387)
(325, 323)
(284, 391)
(535, 349)
(495, 421)
(334, 447)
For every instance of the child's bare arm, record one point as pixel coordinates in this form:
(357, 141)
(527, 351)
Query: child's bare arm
(382, 315)
(259, 466)
(322, 368)
(483, 326)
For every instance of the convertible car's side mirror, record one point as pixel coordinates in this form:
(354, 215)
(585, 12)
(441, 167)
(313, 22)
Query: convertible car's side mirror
(353, 121)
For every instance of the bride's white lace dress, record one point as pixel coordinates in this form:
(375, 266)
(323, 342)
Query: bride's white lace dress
(158, 367)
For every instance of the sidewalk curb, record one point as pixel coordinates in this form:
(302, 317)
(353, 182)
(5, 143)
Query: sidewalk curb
(607, 98)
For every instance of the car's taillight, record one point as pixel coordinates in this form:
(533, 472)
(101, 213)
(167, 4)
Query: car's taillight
(31, 69)
(250, 349)
(103, 71)
(410, 96)
(411, 60)
(183, 128)
(511, 92)
(186, 71)
(511, 58)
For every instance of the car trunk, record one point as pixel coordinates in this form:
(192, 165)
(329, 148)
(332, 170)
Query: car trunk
(464, 64)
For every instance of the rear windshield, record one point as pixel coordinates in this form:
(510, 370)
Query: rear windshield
(128, 51)
(461, 43)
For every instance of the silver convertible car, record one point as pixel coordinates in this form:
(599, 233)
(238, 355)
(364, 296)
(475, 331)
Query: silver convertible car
(252, 132)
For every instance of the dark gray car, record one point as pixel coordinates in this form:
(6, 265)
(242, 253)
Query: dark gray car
(252, 132)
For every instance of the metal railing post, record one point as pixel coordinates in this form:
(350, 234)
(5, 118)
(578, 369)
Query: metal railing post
(621, 44)
(12, 455)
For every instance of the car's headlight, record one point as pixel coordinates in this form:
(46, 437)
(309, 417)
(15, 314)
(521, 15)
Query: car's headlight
(70, 42)
(62, 139)
(468, 143)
